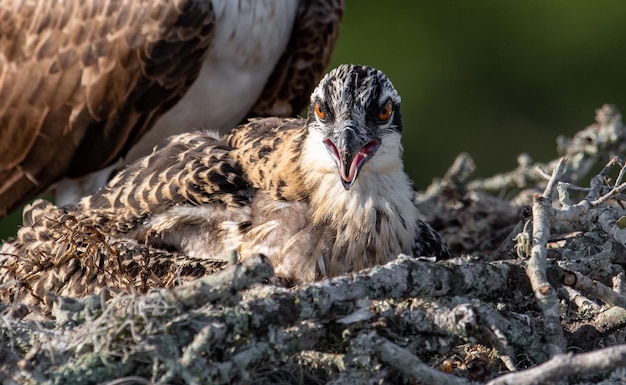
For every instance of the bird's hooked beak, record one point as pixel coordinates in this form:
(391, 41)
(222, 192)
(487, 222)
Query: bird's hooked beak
(350, 151)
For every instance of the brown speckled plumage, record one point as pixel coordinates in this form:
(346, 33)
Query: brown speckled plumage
(68, 257)
(81, 82)
(272, 186)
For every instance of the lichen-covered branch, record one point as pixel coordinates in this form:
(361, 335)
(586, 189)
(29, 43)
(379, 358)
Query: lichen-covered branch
(537, 266)
(583, 283)
(567, 365)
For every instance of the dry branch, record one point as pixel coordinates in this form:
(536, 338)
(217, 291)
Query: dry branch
(585, 284)
(537, 265)
(566, 365)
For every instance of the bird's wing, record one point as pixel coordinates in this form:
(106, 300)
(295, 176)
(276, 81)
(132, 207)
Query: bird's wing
(186, 170)
(188, 184)
(82, 80)
(190, 195)
(60, 253)
(189, 169)
(308, 53)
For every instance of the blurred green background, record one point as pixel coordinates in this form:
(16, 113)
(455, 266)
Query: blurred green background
(493, 78)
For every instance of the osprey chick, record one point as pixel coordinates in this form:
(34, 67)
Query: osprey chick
(320, 196)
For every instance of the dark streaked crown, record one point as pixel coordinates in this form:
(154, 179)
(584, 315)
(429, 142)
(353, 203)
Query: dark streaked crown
(356, 93)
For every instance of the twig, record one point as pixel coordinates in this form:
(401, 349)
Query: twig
(565, 365)
(409, 364)
(583, 304)
(131, 380)
(537, 264)
(217, 286)
(582, 262)
(611, 319)
(618, 185)
(402, 360)
(498, 338)
(525, 174)
(585, 284)
(201, 342)
(608, 220)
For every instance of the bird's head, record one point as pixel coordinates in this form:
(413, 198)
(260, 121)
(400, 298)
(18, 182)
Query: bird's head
(355, 115)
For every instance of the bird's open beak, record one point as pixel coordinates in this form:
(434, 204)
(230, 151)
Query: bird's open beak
(350, 152)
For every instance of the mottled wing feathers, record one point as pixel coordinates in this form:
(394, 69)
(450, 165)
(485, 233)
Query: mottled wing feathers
(268, 150)
(107, 239)
(81, 81)
(192, 169)
(59, 253)
(305, 60)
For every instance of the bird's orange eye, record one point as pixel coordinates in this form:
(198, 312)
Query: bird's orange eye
(318, 111)
(385, 112)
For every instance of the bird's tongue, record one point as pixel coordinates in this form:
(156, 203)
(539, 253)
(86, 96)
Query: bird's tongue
(357, 161)
(350, 174)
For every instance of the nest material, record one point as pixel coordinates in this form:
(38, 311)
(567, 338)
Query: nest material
(537, 275)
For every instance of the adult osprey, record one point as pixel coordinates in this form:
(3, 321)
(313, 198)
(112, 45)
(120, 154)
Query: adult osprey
(320, 197)
(82, 81)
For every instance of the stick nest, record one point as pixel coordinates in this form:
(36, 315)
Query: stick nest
(536, 294)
